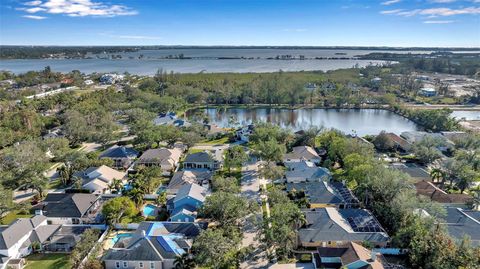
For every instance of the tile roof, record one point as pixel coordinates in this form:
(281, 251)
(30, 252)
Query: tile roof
(350, 253)
(427, 188)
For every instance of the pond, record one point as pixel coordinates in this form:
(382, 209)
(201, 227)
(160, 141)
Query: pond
(350, 121)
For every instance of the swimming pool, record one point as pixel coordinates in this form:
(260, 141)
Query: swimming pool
(118, 237)
(149, 210)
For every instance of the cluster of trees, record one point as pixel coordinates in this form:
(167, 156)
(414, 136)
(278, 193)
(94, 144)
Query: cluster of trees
(388, 194)
(219, 246)
(434, 120)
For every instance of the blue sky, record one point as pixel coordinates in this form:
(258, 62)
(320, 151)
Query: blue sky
(241, 22)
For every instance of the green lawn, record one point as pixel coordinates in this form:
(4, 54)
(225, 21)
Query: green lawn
(47, 261)
(220, 141)
(13, 215)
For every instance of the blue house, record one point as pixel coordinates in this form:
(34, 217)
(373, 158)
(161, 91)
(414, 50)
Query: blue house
(189, 198)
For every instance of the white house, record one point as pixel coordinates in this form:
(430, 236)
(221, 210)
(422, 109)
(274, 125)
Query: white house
(305, 171)
(302, 153)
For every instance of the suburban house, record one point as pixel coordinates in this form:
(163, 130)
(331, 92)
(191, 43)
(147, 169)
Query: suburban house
(460, 223)
(399, 144)
(350, 256)
(427, 188)
(166, 159)
(186, 203)
(201, 160)
(180, 178)
(427, 92)
(17, 239)
(70, 208)
(98, 179)
(170, 119)
(243, 134)
(111, 78)
(414, 171)
(305, 171)
(302, 153)
(330, 226)
(417, 136)
(324, 194)
(154, 245)
(121, 156)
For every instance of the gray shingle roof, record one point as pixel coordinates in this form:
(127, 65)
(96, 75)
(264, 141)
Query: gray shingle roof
(318, 192)
(461, 222)
(67, 204)
(120, 152)
(199, 157)
(327, 225)
(191, 190)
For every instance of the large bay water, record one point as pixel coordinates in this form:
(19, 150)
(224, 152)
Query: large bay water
(147, 62)
(350, 121)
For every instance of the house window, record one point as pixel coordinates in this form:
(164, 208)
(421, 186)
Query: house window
(140, 264)
(117, 264)
(152, 265)
(125, 264)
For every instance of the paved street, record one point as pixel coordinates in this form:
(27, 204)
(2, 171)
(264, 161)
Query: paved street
(250, 190)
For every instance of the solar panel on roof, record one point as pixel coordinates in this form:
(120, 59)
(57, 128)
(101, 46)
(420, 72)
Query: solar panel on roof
(165, 245)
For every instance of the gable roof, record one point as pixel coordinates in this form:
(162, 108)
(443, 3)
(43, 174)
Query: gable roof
(156, 241)
(161, 155)
(427, 188)
(120, 152)
(302, 152)
(11, 234)
(199, 157)
(306, 170)
(187, 176)
(331, 224)
(67, 205)
(192, 190)
(350, 253)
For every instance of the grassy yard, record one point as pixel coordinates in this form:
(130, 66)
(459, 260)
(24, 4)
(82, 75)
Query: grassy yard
(13, 215)
(220, 141)
(47, 261)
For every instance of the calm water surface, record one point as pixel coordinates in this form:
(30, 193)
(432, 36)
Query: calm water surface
(350, 121)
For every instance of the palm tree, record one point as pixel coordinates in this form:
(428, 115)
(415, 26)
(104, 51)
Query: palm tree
(136, 194)
(476, 200)
(437, 174)
(65, 172)
(161, 199)
(116, 185)
(184, 261)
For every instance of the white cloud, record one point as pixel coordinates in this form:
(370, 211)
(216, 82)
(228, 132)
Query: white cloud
(79, 8)
(393, 11)
(443, 1)
(390, 2)
(145, 37)
(33, 17)
(33, 3)
(433, 12)
(438, 22)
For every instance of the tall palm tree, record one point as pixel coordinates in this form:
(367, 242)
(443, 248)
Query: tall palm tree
(184, 261)
(65, 172)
